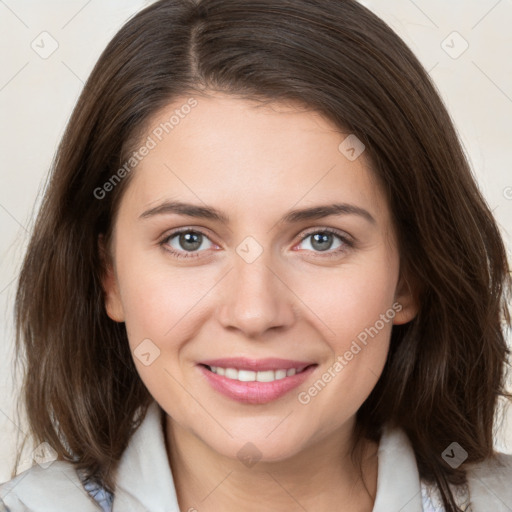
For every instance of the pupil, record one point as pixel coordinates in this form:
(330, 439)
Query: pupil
(319, 240)
(190, 241)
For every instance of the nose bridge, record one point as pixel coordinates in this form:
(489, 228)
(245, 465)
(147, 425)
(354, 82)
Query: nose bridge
(255, 299)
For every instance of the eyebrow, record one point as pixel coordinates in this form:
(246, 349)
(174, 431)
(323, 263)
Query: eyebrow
(293, 216)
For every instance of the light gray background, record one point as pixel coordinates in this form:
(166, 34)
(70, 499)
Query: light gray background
(37, 95)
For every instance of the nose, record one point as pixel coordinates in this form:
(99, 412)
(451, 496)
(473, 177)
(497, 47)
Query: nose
(255, 298)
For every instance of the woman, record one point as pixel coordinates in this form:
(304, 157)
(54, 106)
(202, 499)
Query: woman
(263, 277)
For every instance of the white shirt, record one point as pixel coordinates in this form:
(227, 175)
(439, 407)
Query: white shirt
(145, 482)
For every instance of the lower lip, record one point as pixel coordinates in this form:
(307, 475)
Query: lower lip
(255, 392)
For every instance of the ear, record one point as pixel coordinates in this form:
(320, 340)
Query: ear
(109, 283)
(406, 296)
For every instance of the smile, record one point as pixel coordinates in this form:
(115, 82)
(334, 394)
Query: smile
(252, 376)
(255, 381)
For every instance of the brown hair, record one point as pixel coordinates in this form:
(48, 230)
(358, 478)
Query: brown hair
(445, 369)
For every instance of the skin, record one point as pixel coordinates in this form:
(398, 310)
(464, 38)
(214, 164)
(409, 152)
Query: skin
(255, 163)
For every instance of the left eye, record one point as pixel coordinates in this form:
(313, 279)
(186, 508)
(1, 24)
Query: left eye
(189, 240)
(322, 241)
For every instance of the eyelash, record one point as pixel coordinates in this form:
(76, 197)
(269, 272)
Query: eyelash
(348, 244)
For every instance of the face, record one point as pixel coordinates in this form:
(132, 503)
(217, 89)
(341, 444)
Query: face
(259, 287)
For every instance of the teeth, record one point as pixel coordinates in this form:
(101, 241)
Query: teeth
(266, 376)
(280, 374)
(251, 376)
(246, 375)
(231, 373)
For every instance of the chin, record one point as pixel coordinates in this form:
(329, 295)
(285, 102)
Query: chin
(250, 450)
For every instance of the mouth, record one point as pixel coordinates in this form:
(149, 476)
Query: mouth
(243, 375)
(255, 381)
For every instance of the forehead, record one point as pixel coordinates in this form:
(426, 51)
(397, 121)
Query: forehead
(248, 157)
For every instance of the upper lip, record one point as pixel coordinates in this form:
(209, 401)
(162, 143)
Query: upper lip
(244, 363)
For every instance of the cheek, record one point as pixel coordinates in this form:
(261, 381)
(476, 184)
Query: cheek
(349, 306)
(161, 306)
(157, 298)
(359, 341)
(352, 298)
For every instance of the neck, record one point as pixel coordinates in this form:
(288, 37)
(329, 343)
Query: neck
(322, 477)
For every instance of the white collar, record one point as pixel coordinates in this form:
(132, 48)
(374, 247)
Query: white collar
(145, 480)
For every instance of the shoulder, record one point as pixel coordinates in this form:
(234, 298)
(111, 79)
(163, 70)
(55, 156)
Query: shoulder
(490, 483)
(55, 488)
